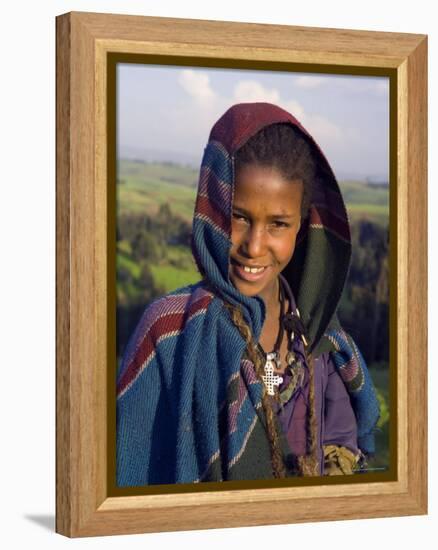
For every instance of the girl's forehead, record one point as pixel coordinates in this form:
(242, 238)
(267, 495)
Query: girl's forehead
(259, 184)
(260, 173)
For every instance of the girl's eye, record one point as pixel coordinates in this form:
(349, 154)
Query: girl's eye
(278, 224)
(239, 217)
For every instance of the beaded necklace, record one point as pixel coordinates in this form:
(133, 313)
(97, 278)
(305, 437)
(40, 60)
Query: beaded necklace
(290, 323)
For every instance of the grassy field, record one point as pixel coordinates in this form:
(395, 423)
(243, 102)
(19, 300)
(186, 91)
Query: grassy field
(171, 277)
(365, 202)
(357, 192)
(176, 270)
(166, 172)
(143, 187)
(125, 261)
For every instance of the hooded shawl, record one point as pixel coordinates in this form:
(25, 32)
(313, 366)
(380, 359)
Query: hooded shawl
(188, 403)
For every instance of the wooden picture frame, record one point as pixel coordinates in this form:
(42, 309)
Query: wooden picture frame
(86, 504)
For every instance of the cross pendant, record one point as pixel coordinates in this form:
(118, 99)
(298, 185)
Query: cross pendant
(270, 379)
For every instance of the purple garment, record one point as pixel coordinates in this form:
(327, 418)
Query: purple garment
(336, 422)
(335, 417)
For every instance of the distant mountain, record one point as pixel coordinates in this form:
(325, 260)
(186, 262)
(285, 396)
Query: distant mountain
(377, 180)
(158, 155)
(371, 179)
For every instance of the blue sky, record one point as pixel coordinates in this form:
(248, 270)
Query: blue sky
(167, 112)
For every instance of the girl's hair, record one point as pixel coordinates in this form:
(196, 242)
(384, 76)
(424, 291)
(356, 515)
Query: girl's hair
(285, 148)
(305, 465)
(252, 353)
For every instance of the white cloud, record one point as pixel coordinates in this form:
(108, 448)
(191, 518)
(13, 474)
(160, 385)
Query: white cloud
(294, 108)
(196, 84)
(310, 81)
(350, 83)
(250, 90)
(321, 128)
(360, 84)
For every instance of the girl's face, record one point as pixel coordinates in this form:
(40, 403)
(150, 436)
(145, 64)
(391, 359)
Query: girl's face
(265, 222)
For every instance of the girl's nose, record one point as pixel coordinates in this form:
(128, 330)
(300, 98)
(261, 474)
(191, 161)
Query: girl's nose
(255, 242)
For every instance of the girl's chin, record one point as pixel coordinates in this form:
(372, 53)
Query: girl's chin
(249, 288)
(243, 289)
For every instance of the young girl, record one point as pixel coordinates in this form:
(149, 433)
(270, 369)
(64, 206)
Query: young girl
(248, 374)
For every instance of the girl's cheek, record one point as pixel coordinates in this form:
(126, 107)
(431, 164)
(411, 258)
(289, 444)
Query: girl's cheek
(236, 231)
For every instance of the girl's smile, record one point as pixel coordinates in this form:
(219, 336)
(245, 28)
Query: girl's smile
(249, 273)
(266, 219)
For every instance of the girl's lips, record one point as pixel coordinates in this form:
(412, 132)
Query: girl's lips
(247, 276)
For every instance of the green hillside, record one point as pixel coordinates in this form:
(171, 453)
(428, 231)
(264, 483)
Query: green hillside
(358, 192)
(142, 187)
(365, 201)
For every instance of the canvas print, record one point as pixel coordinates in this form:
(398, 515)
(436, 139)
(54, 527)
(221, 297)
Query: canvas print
(252, 262)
